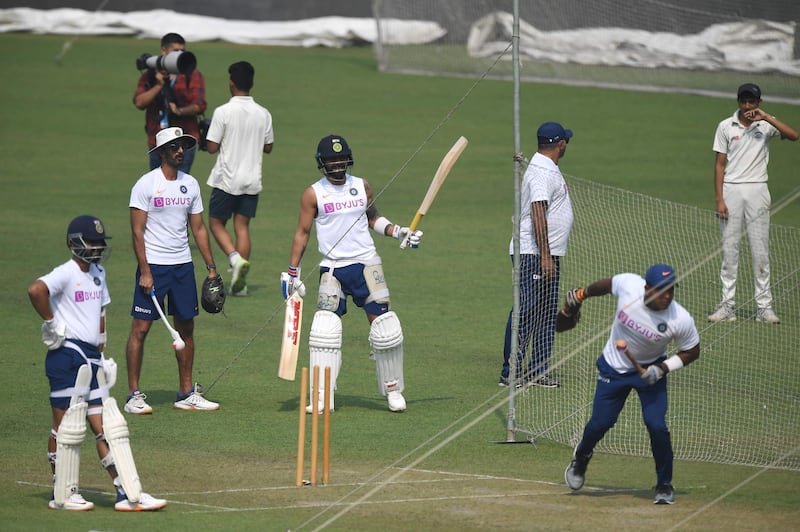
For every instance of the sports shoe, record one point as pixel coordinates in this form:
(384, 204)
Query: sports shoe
(240, 293)
(397, 403)
(765, 315)
(546, 381)
(194, 400)
(664, 494)
(136, 403)
(724, 312)
(75, 503)
(239, 269)
(503, 382)
(147, 503)
(575, 474)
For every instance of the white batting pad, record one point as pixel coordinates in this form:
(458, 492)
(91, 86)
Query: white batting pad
(386, 339)
(115, 429)
(325, 350)
(69, 438)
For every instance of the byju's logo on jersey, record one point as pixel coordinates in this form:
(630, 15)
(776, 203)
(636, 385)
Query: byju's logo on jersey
(160, 202)
(87, 295)
(336, 206)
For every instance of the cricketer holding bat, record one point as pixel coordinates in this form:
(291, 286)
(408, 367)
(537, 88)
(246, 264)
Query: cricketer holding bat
(341, 207)
(71, 300)
(648, 320)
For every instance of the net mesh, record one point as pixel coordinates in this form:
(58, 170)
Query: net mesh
(689, 47)
(740, 402)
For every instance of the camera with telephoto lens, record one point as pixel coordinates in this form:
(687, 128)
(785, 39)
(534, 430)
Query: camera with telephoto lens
(177, 62)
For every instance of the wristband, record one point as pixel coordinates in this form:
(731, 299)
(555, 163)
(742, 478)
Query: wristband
(211, 266)
(581, 294)
(380, 225)
(674, 363)
(103, 338)
(293, 270)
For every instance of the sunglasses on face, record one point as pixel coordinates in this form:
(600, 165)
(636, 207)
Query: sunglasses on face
(175, 146)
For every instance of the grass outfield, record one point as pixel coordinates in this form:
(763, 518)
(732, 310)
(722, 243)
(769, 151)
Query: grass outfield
(74, 144)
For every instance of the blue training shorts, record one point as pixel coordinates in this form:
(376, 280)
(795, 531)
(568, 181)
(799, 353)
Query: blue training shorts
(177, 282)
(222, 205)
(61, 367)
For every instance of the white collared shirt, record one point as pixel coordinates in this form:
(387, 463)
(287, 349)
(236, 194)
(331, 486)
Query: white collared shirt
(747, 149)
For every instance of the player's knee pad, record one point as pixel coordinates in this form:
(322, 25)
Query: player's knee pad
(325, 349)
(330, 291)
(386, 339)
(69, 437)
(117, 436)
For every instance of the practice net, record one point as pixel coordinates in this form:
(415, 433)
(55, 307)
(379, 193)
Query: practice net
(655, 45)
(740, 402)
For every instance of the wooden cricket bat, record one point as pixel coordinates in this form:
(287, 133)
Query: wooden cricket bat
(438, 179)
(290, 347)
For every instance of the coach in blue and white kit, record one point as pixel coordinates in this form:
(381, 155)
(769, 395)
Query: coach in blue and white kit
(164, 204)
(647, 320)
(545, 225)
(341, 206)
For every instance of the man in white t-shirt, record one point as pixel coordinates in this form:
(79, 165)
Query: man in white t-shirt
(240, 132)
(341, 207)
(165, 203)
(646, 321)
(741, 145)
(71, 300)
(545, 225)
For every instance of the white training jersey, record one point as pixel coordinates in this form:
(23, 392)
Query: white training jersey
(647, 332)
(342, 226)
(168, 205)
(77, 299)
(746, 148)
(241, 127)
(543, 182)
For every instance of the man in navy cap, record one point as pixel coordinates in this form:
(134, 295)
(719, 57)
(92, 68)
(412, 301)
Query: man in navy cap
(545, 225)
(646, 321)
(741, 146)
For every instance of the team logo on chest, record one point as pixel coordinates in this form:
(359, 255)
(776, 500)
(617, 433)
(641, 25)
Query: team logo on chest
(662, 327)
(353, 192)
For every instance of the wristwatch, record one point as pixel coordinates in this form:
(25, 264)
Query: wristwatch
(211, 266)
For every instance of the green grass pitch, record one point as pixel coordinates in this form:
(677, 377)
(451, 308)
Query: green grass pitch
(73, 143)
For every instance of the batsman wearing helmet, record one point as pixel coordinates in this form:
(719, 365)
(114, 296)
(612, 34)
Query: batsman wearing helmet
(71, 300)
(341, 207)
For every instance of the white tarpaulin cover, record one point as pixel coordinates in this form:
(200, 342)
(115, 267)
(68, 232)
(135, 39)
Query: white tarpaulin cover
(335, 32)
(750, 46)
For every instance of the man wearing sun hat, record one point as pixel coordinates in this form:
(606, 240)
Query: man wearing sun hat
(545, 225)
(161, 202)
(646, 321)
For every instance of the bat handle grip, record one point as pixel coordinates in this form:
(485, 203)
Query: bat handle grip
(411, 228)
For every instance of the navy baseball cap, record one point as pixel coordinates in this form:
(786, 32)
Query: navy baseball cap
(660, 276)
(552, 132)
(749, 89)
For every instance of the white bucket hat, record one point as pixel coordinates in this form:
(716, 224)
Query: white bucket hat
(170, 134)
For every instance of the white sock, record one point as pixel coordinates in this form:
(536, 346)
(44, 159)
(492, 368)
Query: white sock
(232, 257)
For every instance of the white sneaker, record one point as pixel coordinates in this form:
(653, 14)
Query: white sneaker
(765, 315)
(136, 403)
(239, 269)
(397, 403)
(195, 401)
(320, 408)
(75, 503)
(147, 503)
(724, 312)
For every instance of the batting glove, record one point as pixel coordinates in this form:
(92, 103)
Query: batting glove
(54, 334)
(652, 374)
(291, 284)
(405, 234)
(575, 297)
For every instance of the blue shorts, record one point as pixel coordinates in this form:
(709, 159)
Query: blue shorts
(61, 367)
(222, 205)
(175, 281)
(354, 285)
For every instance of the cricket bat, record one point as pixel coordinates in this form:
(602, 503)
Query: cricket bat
(438, 179)
(290, 346)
